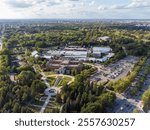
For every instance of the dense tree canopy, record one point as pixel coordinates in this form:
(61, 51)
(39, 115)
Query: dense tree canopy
(82, 95)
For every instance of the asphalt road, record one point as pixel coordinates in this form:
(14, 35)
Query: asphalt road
(125, 103)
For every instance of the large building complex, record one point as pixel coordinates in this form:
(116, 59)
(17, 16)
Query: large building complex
(62, 61)
(82, 54)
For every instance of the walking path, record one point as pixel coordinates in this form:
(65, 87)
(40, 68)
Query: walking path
(49, 88)
(49, 94)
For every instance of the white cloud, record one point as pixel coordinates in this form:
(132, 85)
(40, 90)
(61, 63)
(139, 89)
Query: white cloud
(18, 3)
(30, 3)
(133, 4)
(91, 3)
(138, 4)
(102, 7)
(71, 8)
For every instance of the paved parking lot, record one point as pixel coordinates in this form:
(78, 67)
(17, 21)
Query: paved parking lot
(115, 71)
(121, 68)
(125, 103)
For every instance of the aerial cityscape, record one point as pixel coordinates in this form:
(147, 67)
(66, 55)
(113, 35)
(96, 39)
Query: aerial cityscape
(74, 63)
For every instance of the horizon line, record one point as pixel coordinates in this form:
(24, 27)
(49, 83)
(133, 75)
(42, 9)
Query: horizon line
(74, 19)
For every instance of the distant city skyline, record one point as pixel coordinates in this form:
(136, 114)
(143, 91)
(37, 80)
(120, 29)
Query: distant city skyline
(75, 9)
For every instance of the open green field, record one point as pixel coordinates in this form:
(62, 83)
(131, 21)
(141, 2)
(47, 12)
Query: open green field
(65, 80)
(49, 73)
(51, 80)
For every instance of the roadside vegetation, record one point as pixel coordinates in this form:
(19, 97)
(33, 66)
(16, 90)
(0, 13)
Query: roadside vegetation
(122, 84)
(146, 100)
(141, 81)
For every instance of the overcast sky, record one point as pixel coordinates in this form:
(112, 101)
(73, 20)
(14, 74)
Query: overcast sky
(108, 9)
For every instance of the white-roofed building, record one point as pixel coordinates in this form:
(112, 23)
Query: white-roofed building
(96, 52)
(76, 54)
(80, 54)
(104, 50)
(47, 57)
(55, 53)
(35, 54)
(105, 38)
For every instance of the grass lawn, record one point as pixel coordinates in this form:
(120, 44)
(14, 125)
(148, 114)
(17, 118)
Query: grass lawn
(51, 80)
(49, 73)
(65, 80)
